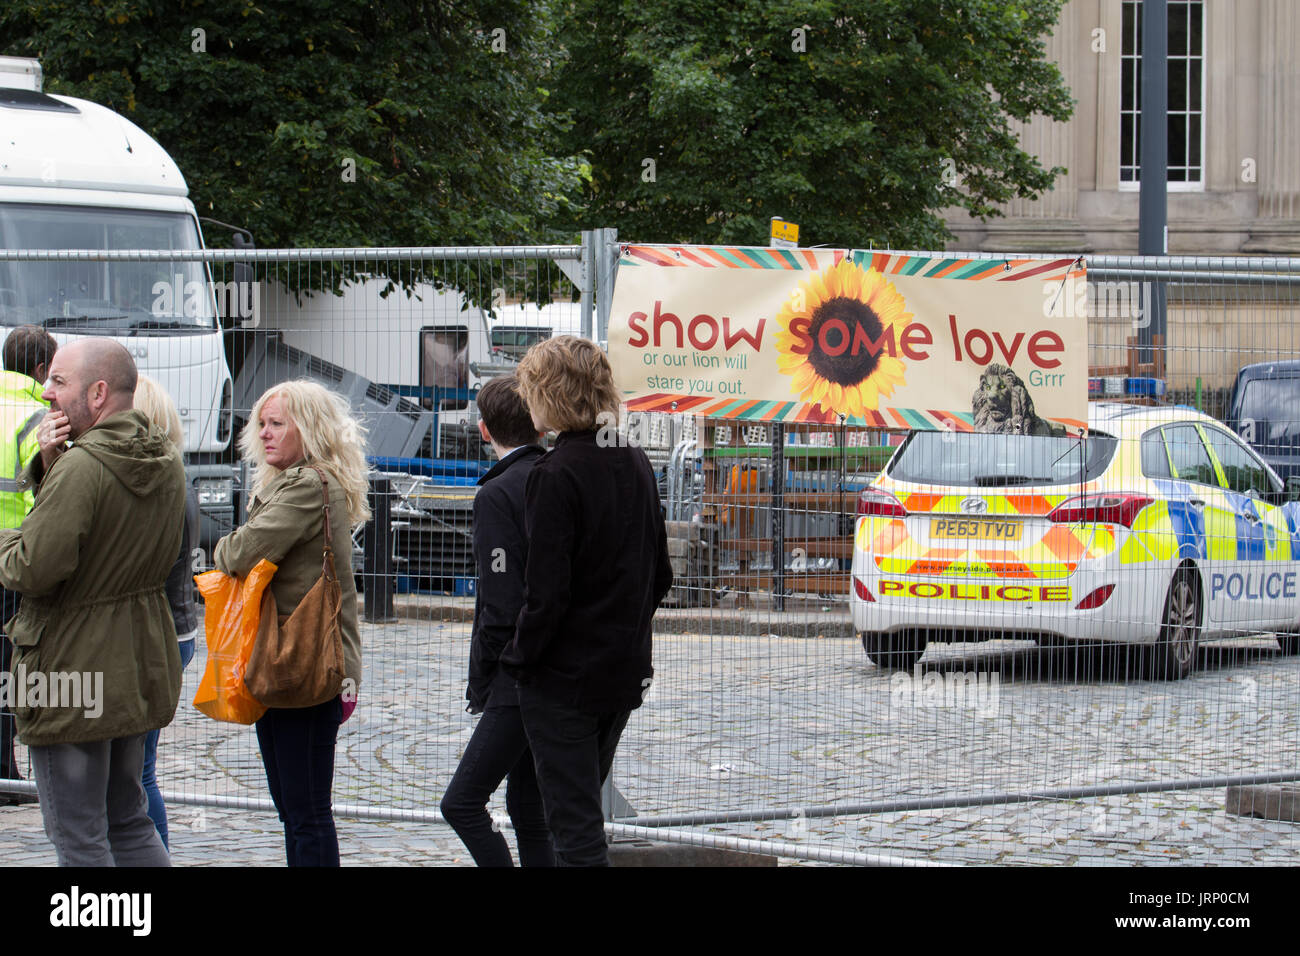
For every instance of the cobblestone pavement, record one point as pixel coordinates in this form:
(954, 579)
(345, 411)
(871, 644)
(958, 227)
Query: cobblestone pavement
(742, 723)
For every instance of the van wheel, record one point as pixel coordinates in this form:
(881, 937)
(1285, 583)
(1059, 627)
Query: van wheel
(894, 651)
(1173, 657)
(1289, 644)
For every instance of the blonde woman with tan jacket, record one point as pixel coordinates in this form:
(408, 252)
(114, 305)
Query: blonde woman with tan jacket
(297, 427)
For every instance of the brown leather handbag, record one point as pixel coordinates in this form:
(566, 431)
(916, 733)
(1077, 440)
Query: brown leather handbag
(298, 661)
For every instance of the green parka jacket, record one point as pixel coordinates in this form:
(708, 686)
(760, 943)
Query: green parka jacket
(286, 525)
(91, 561)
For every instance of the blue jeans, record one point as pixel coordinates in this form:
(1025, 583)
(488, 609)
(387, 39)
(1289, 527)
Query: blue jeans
(498, 750)
(157, 809)
(298, 753)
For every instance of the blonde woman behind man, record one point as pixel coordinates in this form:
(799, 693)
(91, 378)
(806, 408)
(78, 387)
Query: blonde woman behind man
(159, 408)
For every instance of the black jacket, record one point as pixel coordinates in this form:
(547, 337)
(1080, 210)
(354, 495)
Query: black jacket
(597, 570)
(500, 550)
(180, 580)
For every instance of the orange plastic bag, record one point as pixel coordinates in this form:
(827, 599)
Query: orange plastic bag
(230, 620)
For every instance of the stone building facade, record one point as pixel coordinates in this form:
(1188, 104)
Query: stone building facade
(1234, 135)
(1234, 181)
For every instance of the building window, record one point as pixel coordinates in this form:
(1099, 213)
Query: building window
(1186, 94)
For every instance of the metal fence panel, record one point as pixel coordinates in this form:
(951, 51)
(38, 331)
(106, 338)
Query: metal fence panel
(768, 726)
(1006, 744)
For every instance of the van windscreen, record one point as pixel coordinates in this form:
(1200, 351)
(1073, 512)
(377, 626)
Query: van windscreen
(1270, 412)
(97, 295)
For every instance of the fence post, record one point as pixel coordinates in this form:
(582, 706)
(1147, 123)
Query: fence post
(606, 254)
(778, 516)
(586, 283)
(601, 247)
(612, 802)
(377, 553)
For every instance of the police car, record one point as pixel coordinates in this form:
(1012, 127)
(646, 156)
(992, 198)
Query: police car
(1159, 528)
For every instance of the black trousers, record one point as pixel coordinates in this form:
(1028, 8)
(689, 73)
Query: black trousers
(8, 727)
(298, 752)
(572, 753)
(498, 750)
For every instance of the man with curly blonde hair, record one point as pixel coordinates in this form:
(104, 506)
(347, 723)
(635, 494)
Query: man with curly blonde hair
(597, 569)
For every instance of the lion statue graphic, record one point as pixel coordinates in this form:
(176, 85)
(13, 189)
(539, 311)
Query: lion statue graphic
(1002, 405)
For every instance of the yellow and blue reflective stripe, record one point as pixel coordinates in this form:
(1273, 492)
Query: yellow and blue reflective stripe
(1187, 522)
(1250, 534)
(1291, 512)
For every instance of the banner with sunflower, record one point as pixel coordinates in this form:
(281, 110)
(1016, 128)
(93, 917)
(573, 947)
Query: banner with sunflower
(868, 338)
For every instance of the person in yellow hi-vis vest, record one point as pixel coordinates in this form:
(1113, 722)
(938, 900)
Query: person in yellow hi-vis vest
(27, 353)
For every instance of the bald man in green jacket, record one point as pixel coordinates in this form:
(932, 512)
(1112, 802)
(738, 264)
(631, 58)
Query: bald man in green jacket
(96, 664)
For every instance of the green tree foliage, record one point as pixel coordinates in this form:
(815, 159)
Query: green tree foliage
(326, 122)
(859, 119)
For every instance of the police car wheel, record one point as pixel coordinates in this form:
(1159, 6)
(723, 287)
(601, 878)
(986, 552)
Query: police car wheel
(1173, 657)
(894, 651)
(1289, 643)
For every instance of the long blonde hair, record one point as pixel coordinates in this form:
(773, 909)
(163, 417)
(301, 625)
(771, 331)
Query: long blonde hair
(159, 408)
(331, 438)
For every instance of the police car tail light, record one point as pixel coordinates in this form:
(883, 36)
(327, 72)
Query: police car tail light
(880, 504)
(861, 590)
(1100, 509)
(1096, 599)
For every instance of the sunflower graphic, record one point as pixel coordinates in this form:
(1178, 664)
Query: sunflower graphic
(835, 331)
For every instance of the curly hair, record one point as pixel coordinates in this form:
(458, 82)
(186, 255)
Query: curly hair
(331, 438)
(568, 384)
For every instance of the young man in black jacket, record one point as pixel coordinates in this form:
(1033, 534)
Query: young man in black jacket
(597, 570)
(498, 748)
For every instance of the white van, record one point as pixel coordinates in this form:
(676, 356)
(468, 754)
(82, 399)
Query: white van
(75, 175)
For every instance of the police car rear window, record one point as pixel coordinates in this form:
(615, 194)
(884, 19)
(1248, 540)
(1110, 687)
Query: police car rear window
(1187, 454)
(1155, 459)
(992, 461)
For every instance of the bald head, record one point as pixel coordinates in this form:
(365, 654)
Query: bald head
(103, 360)
(91, 379)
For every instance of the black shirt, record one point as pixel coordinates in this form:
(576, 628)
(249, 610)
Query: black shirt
(500, 550)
